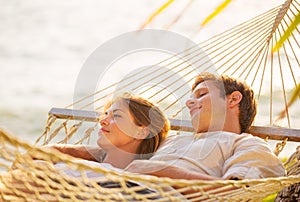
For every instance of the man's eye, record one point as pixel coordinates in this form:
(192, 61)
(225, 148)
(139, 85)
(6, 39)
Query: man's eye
(198, 95)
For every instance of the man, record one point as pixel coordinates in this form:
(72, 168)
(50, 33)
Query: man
(221, 109)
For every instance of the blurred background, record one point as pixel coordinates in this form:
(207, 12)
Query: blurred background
(43, 45)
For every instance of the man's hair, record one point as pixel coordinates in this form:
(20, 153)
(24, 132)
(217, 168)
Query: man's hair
(247, 106)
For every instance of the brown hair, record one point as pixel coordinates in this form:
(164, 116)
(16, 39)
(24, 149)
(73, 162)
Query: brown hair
(146, 114)
(247, 106)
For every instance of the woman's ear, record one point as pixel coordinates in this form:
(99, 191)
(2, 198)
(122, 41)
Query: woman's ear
(234, 98)
(142, 133)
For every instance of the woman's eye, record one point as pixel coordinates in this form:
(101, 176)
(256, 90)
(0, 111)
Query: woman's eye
(116, 115)
(103, 115)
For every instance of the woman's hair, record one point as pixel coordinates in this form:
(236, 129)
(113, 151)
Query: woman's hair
(228, 85)
(146, 114)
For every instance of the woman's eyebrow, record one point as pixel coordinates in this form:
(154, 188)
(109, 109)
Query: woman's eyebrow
(116, 110)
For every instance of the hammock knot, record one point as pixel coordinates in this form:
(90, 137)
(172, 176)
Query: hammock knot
(279, 146)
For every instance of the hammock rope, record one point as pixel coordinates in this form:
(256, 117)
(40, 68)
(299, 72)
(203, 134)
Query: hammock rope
(244, 51)
(42, 181)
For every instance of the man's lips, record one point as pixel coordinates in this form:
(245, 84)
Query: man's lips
(194, 110)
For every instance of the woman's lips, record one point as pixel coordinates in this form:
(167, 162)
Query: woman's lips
(103, 130)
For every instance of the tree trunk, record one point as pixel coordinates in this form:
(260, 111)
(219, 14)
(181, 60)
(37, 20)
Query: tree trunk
(289, 194)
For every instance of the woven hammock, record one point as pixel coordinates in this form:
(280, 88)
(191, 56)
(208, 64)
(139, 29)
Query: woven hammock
(244, 52)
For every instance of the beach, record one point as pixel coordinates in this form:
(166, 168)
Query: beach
(44, 44)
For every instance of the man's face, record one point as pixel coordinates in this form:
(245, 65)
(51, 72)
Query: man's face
(207, 107)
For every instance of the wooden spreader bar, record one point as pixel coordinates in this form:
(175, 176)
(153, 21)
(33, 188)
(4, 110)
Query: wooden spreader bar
(274, 133)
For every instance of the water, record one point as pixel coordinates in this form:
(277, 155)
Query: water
(43, 45)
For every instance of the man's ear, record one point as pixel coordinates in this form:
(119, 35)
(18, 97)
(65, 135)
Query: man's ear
(234, 98)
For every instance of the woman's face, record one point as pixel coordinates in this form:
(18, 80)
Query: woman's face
(117, 128)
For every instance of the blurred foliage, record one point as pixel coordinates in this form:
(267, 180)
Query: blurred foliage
(294, 97)
(287, 32)
(156, 13)
(295, 22)
(216, 12)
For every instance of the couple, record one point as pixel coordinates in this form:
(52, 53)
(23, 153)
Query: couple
(133, 136)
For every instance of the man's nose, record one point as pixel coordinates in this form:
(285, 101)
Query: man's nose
(190, 102)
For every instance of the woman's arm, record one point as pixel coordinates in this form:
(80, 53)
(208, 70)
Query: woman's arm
(91, 153)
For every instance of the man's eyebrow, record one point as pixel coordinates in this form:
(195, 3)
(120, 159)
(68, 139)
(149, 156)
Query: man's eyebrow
(199, 89)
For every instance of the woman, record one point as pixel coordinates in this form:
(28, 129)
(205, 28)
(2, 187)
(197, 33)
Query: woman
(131, 128)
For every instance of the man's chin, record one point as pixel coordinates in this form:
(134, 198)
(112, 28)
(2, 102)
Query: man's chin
(196, 125)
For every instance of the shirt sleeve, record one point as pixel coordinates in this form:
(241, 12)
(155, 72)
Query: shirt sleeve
(252, 158)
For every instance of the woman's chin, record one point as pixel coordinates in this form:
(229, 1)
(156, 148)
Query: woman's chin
(102, 142)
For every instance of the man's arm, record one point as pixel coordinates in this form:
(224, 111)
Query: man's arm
(91, 153)
(252, 159)
(161, 169)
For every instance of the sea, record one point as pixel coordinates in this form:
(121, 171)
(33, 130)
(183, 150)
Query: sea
(44, 45)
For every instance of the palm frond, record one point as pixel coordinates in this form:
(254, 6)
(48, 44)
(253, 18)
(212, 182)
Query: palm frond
(216, 12)
(287, 33)
(182, 12)
(156, 13)
(295, 95)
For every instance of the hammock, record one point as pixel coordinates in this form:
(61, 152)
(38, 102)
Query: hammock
(244, 52)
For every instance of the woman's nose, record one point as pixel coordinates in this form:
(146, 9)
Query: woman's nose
(104, 120)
